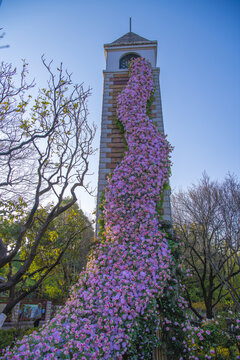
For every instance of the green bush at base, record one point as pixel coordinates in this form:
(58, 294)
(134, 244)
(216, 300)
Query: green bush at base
(9, 336)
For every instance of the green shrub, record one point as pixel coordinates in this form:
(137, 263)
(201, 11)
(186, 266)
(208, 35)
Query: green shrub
(212, 340)
(9, 336)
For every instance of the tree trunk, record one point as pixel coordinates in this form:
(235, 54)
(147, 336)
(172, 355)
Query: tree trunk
(10, 305)
(2, 319)
(13, 300)
(209, 309)
(8, 308)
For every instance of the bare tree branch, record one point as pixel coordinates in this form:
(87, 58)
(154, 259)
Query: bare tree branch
(207, 218)
(45, 145)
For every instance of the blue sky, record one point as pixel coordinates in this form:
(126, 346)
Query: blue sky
(198, 54)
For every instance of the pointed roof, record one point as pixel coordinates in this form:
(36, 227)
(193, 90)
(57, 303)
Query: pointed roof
(130, 38)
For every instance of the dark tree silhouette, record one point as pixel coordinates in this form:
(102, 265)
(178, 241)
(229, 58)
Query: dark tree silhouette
(45, 146)
(207, 219)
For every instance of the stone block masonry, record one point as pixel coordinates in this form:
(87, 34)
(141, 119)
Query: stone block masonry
(112, 146)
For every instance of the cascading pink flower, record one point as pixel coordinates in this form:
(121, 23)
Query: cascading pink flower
(130, 267)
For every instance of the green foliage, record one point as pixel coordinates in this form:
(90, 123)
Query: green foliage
(119, 125)
(63, 276)
(121, 129)
(67, 225)
(149, 104)
(8, 337)
(101, 222)
(172, 324)
(213, 340)
(159, 203)
(206, 219)
(144, 339)
(171, 306)
(12, 210)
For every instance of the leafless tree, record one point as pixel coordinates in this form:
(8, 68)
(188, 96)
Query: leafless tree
(45, 144)
(206, 218)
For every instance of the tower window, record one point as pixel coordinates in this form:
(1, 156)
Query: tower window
(124, 61)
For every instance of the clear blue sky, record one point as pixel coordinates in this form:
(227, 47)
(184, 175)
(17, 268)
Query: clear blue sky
(198, 54)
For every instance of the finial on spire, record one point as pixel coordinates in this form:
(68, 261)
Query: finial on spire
(130, 24)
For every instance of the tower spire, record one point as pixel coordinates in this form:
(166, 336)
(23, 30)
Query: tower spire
(130, 24)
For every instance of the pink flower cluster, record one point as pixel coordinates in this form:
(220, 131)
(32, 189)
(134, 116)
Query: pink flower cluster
(131, 266)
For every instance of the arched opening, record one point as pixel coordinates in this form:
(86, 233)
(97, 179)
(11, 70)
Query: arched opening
(125, 59)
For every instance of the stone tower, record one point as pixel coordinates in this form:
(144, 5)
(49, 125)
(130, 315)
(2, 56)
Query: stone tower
(118, 54)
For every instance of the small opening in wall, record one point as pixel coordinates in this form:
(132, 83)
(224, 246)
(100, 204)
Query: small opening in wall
(125, 59)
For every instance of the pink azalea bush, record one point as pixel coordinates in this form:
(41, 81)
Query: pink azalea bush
(114, 305)
(214, 339)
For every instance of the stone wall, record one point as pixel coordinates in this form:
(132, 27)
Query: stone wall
(112, 146)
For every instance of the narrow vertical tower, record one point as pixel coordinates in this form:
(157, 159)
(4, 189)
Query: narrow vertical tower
(118, 54)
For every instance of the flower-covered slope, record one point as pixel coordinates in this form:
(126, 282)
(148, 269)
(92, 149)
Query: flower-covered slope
(131, 265)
